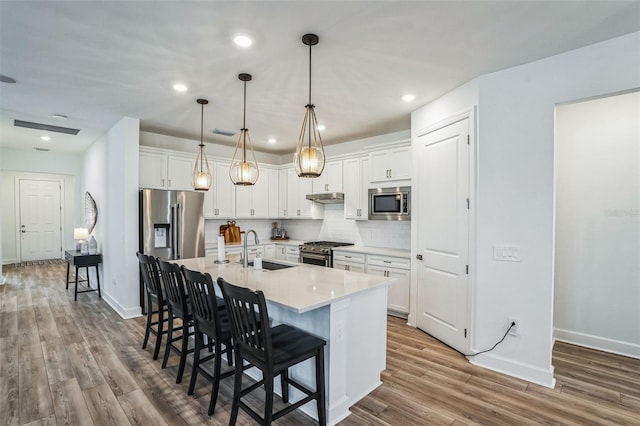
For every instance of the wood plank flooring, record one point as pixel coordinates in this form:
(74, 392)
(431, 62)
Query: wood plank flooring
(78, 363)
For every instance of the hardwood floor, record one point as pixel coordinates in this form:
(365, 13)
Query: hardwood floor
(79, 363)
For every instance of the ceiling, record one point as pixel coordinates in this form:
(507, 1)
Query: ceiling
(96, 62)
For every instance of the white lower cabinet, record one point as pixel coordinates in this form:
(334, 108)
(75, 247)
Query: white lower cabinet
(269, 251)
(292, 254)
(348, 261)
(281, 252)
(393, 267)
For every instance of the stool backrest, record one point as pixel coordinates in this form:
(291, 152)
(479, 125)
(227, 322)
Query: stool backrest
(204, 305)
(173, 285)
(150, 275)
(249, 321)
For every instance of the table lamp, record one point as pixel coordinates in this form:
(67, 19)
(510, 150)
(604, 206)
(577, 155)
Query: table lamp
(80, 234)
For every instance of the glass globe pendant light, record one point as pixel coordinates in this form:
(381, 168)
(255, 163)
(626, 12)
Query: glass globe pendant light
(243, 171)
(309, 156)
(201, 171)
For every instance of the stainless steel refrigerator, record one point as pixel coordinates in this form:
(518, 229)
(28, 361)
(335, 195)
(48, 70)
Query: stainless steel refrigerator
(171, 224)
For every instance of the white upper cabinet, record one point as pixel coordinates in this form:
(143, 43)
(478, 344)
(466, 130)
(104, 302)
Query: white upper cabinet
(331, 178)
(252, 201)
(391, 165)
(162, 170)
(298, 207)
(283, 210)
(274, 191)
(356, 177)
(152, 172)
(219, 200)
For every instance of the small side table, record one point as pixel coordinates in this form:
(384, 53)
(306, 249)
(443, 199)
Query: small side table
(79, 260)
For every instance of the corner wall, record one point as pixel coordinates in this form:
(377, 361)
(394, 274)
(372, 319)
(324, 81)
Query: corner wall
(111, 176)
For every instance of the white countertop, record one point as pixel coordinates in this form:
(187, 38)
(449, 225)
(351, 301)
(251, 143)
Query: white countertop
(301, 288)
(382, 251)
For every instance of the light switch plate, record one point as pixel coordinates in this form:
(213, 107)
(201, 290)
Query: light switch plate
(507, 253)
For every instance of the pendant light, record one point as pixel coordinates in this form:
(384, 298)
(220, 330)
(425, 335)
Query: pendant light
(309, 155)
(201, 171)
(242, 170)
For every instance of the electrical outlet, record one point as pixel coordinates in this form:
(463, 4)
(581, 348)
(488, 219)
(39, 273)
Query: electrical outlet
(515, 330)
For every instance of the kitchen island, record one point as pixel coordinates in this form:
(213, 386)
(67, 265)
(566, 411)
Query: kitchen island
(347, 309)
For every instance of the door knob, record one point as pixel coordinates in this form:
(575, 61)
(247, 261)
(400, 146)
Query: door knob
(23, 231)
(419, 256)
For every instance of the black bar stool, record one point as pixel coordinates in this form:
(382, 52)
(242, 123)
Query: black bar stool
(272, 350)
(209, 318)
(153, 288)
(177, 302)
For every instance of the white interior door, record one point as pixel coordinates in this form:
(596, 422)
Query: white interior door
(443, 230)
(40, 225)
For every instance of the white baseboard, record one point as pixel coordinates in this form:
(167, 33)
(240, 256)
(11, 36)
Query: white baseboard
(520, 370)
(9, 261)
(599, 343)
(125, 313)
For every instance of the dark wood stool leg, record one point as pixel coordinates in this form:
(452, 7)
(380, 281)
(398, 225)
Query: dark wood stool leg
(322, 415)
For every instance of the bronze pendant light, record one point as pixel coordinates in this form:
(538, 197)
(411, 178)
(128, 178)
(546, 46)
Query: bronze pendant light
(201, 171)
(309, 156)
(242, 171)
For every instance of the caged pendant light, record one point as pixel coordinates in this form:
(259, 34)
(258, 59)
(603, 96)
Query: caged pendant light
(201, 170)
(242, 170)
(309, 155)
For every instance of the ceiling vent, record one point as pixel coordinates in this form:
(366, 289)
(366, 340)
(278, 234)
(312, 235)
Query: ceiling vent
(41, 149)
(223, 132)
(40, 126)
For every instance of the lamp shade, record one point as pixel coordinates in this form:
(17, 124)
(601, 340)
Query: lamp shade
(80, 233)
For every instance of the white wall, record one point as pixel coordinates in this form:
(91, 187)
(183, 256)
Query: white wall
(515, 193)
(597, 274)
(30, 164)
(111, 176)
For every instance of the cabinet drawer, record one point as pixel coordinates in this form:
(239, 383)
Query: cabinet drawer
(390, 262)
(348, 257)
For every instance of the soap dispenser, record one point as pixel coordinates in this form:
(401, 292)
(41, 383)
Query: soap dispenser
(257, 262)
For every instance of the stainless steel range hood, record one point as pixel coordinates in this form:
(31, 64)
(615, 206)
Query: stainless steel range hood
(327, 197)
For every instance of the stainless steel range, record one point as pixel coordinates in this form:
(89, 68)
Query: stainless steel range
(319, 252)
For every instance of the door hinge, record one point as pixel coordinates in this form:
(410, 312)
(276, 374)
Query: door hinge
(467, 269)
(465, 333)
(468, 140)
(467, 204)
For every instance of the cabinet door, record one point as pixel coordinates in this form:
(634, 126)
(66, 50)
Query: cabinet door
(244, 207)
(283, 208)
(225, 192)
(281, 252)
(270, 251)
(209, 206)
(180, 173)
(305, 206)
(153, 170)
(293, 194)
(331, 178)
(398, 294)
(401, 164)
(353, 187)
(380, 166)
(260, 196)
(274, 190)
(348, 266)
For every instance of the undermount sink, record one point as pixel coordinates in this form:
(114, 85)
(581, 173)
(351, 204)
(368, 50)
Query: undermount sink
(272, 266)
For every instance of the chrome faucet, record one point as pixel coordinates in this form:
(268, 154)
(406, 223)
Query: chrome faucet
(245, 258)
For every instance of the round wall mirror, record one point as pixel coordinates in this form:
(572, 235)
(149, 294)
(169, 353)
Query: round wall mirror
(90, 212)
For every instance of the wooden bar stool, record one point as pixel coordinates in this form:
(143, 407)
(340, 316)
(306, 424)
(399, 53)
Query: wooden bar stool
(153, 288)
(272, 350)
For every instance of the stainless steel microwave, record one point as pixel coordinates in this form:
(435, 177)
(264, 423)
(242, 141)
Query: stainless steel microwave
(390, 203)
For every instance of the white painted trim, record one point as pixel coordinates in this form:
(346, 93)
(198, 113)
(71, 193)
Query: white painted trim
(459, 116)
(596, 342)
(387, 145)
(125, 313)
(516, 369)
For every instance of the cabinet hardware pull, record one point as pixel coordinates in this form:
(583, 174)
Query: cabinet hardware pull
(419, 256)
(169, 181)
(348, 257)
(162, 182)
(386, 261)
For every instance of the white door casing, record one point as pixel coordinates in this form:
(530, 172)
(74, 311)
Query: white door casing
(443, 234)
(40, 226)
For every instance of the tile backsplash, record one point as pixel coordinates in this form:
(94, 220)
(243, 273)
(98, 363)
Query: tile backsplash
(334, 227)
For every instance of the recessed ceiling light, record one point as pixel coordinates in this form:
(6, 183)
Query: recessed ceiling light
(242, 40)
(45, 138)
(272, 140)
(321, 127)
(408, 97)
(59, 116)
(179, 87)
